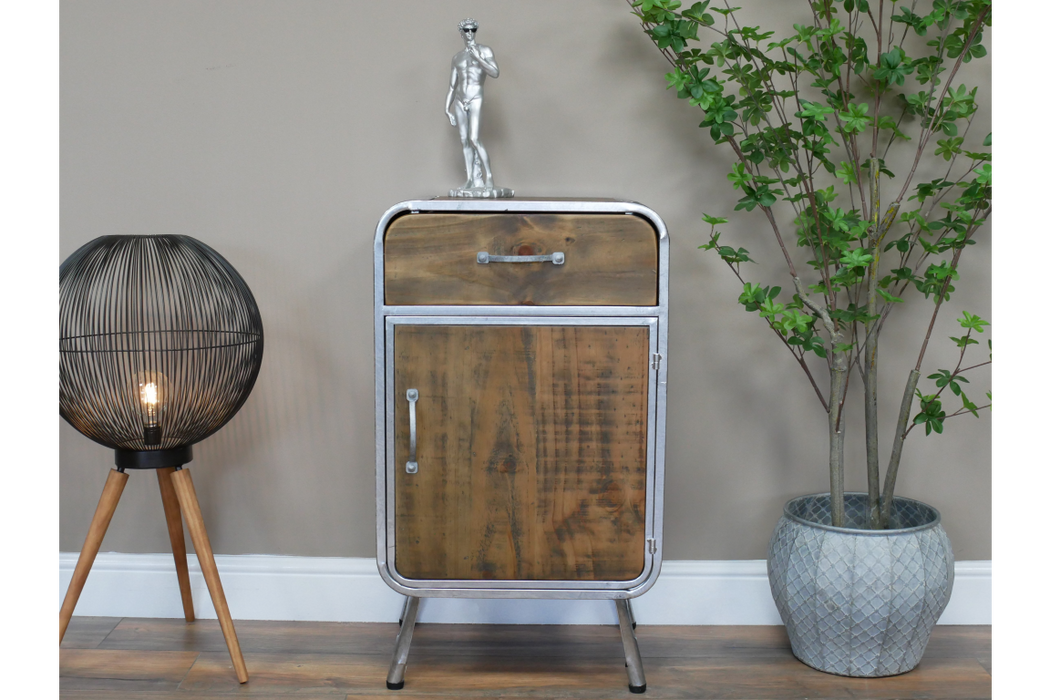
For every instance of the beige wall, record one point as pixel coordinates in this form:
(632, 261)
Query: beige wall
(279, 132)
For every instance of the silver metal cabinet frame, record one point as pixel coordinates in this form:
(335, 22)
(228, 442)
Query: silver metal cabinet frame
(388, 317)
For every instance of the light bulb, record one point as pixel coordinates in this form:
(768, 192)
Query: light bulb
(152, 396)
(148, 394)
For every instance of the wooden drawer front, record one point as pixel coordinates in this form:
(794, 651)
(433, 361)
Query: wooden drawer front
(531, 446)
(610, 259)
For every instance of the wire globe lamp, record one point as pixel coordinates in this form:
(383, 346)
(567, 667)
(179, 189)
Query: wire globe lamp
(160, 343)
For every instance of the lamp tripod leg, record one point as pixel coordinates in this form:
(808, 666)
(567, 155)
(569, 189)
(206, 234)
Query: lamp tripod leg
(395, 677)
(191, 509)
(107, 504)
(173, 516)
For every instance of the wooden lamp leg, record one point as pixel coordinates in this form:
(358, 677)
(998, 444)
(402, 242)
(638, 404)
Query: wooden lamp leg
(107, 504)
(173, 515)
(191, 509)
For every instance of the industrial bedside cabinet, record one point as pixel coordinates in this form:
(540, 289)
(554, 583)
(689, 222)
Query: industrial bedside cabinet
(521, 380)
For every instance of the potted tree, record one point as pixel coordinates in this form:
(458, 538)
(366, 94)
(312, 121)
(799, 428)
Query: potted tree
(814, 118)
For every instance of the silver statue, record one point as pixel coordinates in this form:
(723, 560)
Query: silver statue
(463, 107)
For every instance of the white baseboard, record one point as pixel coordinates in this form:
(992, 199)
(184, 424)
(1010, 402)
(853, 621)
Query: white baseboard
(269, 587)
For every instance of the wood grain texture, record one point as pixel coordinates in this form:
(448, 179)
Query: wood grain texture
(173, 517)
(290, 673)
(86, 632)
(284, 636)
(531, 452)
(125, 664)
(123, 671)
(348, 660)
(183, 483)
(610, 259)
(107, 505)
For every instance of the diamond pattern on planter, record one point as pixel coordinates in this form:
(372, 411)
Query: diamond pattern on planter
(858, 602)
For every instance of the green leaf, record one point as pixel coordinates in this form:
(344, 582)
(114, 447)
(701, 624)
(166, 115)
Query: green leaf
(890, 298)
(854, 119)
(738, 176)
(984, 175)
(846, 173)
(942, 376)
(813, 110)
(988, 139)
(893, 67)
(732, 256)
(714, 220)
(856, 258)
(969, 405)
(949, 147)
(973, 321)
(769, 309)
(930, 413)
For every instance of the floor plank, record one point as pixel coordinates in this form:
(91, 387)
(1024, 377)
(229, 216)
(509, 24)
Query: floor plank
(123, 670)
(254, 636)
(288, 674)
(247, 692)
(87, 632)
(954, 640)
(789, 678)
(149, 659)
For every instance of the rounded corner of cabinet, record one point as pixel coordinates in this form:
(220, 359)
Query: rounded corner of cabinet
(654, 219)
(392, 214)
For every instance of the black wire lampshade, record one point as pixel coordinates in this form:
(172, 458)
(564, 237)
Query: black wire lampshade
(160, 344)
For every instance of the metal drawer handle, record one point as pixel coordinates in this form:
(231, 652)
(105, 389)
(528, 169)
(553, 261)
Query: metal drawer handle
(556, 258)
(412, 466)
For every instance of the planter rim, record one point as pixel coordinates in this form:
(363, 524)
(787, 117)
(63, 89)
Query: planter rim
(862, 531)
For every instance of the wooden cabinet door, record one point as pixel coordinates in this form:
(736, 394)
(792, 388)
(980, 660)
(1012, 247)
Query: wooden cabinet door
(531, 446)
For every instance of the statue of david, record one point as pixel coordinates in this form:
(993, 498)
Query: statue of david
(463, 108)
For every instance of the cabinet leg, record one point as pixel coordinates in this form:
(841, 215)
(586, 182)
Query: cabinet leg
(395, 678)
(404, 609)
(630, 615)
(635, 674)
(107, 504)
(173, 516)
(187, 496)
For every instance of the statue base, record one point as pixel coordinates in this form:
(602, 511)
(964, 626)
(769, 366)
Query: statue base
(482, 192)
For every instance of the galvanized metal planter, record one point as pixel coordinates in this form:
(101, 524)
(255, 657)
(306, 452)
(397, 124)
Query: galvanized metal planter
(860, 602)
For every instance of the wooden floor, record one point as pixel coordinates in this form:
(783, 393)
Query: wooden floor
(151, 659)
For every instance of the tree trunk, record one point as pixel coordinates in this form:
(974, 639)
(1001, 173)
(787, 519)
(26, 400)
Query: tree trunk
(898, 444)
(871, 356)
(836, 434)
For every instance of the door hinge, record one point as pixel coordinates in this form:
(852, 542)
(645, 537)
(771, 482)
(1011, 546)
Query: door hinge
(652, 545)
(656, 360)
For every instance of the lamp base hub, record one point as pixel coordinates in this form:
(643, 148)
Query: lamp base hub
(153, 459)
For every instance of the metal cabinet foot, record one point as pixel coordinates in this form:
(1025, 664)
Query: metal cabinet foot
(635, 674)
(395, 678)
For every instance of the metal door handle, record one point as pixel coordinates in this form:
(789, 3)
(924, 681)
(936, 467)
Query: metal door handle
(556, 258)
(412, 466)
